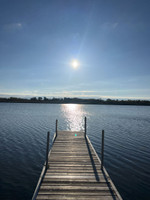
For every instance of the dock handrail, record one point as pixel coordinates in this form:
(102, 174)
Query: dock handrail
(102, 150)
(45, 166)
(47, 149)
(56, 127)
(85, 126)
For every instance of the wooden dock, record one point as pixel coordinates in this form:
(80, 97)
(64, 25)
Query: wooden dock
(74, 171)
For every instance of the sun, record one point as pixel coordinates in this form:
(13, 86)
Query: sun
(75, 64)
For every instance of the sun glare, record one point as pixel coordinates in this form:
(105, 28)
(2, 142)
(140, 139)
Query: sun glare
(73, 114)
(75, 64)
(72, 107)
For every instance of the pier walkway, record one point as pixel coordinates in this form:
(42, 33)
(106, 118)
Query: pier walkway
(74, 171)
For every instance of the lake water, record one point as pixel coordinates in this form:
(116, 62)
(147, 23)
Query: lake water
(23, 131)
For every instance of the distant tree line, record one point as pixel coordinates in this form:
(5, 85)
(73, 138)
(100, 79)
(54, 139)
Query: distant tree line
(75, 100)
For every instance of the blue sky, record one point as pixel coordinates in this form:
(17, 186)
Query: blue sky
(110, 39)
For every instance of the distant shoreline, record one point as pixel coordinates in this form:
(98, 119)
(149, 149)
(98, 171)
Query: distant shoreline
(76, 101)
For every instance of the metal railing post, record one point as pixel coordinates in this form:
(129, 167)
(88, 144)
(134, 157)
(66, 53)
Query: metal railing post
(56, 127)
(85, 127)
(47, 149)
(102, 151)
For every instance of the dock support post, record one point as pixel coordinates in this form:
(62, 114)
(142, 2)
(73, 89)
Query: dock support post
(102, 151)
(47, 149)
(85, 127)
(56, 127)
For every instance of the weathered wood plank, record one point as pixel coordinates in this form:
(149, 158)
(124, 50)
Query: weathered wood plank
(61, 183)
(69, 180)
(77, 197)
(76, 193)
(75, 164)
(73, 171)
(74, 188)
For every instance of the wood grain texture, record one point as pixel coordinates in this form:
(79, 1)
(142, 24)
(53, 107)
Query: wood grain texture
(75, 171)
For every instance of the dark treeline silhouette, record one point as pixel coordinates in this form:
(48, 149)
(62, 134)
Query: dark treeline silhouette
(75, 100)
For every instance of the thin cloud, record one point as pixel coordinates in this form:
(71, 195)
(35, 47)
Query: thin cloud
(12, 27)
(109, 26)
(83, 91)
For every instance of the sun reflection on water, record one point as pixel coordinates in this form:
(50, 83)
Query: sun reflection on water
(74, 116)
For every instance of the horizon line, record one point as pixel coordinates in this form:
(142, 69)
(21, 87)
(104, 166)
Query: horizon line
(72, 97)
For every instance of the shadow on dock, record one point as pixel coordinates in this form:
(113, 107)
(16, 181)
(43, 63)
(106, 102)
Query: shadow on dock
(92, 162)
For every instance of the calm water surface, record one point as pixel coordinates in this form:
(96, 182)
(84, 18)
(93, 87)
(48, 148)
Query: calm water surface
(23, 129)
